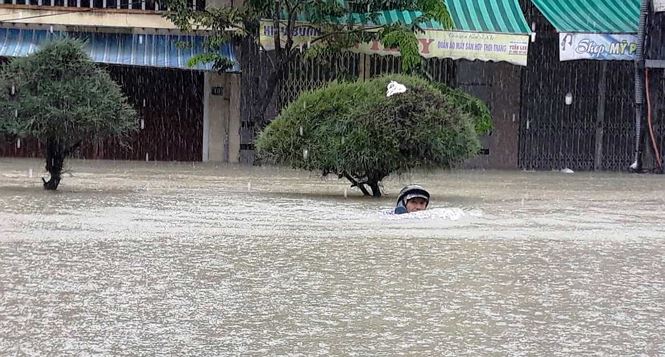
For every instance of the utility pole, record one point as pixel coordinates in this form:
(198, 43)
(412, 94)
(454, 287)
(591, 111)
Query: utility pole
(650, 55)
(636, 166)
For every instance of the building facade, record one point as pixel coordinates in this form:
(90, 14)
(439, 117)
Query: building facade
(193, 114)
(186, 114)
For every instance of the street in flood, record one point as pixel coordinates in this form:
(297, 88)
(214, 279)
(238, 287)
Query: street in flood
(136, 258)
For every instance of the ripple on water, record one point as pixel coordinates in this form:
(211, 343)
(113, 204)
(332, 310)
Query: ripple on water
(179, 260)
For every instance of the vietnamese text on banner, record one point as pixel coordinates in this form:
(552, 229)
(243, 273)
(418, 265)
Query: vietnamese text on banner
(432, 44)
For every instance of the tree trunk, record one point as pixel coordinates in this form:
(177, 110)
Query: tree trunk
(55, 158)
(376, 191)
(363, 189)
(264, 100)
(373, 185)
(355, 183)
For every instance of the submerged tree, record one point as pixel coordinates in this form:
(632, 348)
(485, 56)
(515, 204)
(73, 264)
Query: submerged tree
(339, 25)
(354, 130)
(59, 96)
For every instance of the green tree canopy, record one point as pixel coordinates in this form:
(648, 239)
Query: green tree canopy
(342, 24)
(355, 131)
(59, 96)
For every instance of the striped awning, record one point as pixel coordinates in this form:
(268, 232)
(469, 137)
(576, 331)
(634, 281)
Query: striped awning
(151, 50)
(592, 16)
(489, 16)
(498, 16)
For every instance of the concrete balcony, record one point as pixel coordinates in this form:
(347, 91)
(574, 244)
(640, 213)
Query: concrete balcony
(31, 16)
(142, 5)
(137, 14)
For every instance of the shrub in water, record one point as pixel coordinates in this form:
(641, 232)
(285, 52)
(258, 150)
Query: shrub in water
(355, 131)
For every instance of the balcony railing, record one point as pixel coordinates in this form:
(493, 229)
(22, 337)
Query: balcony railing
(147, 5)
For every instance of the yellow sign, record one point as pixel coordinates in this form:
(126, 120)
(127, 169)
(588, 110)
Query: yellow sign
(432, 44)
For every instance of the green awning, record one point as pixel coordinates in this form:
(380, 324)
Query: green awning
(495, 16)
(592, 16)
(500, 16)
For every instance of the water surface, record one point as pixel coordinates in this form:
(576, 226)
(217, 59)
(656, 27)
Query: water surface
(131, 258)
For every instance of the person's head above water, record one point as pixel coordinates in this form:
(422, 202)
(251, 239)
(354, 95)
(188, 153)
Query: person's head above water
(412, 198)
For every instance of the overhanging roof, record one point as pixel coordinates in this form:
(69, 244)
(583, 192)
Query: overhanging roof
(592, 16)
(500, 16)
(491, 16)
(151, 50)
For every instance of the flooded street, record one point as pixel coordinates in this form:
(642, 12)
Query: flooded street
(135, 258)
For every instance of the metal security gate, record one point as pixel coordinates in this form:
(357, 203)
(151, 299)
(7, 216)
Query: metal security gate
(554, 135)
(618, 139)
(597, 130)
(594, 131)
(255, 65)
(307, 74)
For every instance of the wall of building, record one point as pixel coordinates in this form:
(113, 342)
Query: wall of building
(221, 118)
(184, 115)
(498, 85)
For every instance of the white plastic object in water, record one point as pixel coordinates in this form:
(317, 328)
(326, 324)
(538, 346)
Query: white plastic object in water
(18, 143)
(395, 88)
(142, 124)
(569, 98)
(305, 154)
(567, 171)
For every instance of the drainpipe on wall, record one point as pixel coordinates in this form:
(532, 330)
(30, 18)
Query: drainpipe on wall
(636, 166)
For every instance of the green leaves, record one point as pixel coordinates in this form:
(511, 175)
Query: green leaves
(219, 62)
(340, 22)
(59, 93)
(406, 41)
(472, 106)
(354, 128)
(436, 10)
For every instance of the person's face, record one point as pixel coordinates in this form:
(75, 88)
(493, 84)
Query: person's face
(416, 204)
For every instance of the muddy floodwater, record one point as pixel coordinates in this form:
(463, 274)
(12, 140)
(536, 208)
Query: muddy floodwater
(182, 259)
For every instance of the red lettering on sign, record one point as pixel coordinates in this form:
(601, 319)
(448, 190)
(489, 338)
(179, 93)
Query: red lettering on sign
(426, 43)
